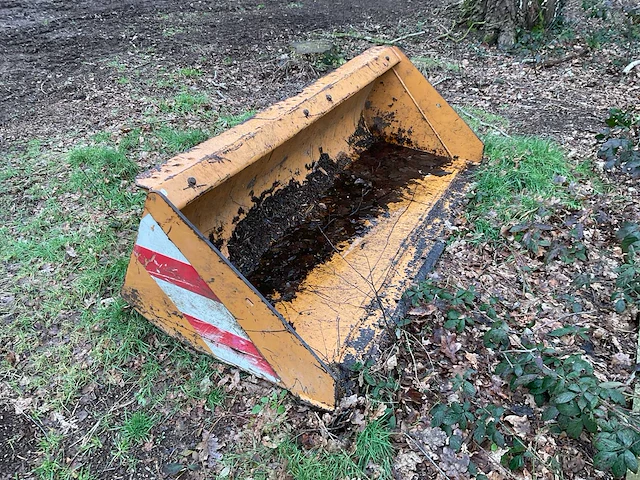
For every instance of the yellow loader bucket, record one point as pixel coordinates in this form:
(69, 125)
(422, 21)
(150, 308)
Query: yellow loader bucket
(283, 246)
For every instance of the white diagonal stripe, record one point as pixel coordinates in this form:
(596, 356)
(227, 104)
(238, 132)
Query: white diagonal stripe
(151, 236)
(202, 308)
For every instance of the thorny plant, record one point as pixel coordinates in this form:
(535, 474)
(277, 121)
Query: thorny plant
(571, 398)
(628, 281)
(620, 147)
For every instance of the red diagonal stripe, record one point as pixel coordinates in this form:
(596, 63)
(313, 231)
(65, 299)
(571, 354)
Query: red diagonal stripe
(173, 271)
(239, 344)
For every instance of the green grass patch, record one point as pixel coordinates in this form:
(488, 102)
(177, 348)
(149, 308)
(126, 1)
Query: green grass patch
(520, 174)
(185, 102)
(228, 121)
(137, 426)
(175, 141)
(520, 179)
(190, 72)
(373, 451)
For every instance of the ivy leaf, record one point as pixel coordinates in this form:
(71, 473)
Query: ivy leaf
(498, 439)
(525, 379)
(455, 442)
(619, 467)
(437, 415)
(516, 462)
(550, 413)
(560, 332)
(589, 423)
(568, 409)
(606, 445)
(626, 436)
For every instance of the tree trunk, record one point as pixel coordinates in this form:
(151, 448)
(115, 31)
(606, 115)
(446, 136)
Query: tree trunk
(501, 19)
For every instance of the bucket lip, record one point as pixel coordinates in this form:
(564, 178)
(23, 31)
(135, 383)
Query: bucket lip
(186, 176)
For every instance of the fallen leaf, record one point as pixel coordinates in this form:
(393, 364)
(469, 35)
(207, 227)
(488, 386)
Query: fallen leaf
(621, 359)
(449, 346)
(213, 447)
(422, 310)
(405, 465)
(21, 405)
(391, 363)
(519, 423)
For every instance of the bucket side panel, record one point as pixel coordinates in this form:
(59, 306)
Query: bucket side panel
(406, 110)
(298, 368)
(165, 287)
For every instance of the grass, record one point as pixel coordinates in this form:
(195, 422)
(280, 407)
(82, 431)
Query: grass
(190, 72)
(373, 452)
(426, 64)
(521, 178)
(137, 427)
(174, 140)
(67, 240)
(184, 102)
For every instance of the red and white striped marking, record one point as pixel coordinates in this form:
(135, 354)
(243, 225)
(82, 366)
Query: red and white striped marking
(196, 301)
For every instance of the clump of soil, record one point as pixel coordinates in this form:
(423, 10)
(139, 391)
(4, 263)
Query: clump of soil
(285, 235)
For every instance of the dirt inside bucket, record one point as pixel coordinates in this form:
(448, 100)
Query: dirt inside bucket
(288, 233)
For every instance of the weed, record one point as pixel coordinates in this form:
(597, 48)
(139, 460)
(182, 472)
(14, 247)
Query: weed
(456, 301)
(575, 400)
(215, 398)
(190, 72)
(377, 385)
(137, 427)
(185, 102)
(175, 141)
(273, 401)
(628, 281)
(621, 141)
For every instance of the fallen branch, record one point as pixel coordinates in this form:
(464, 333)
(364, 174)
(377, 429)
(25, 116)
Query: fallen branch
(631, 66)
(557, 61)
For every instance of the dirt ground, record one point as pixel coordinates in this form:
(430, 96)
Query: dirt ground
(69, 70)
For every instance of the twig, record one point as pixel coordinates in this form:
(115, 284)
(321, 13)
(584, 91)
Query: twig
(557, 61)
(631, 66)
(500, 131)
(426, 454)
(447, 33)
(404, 37)
(440, 81)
